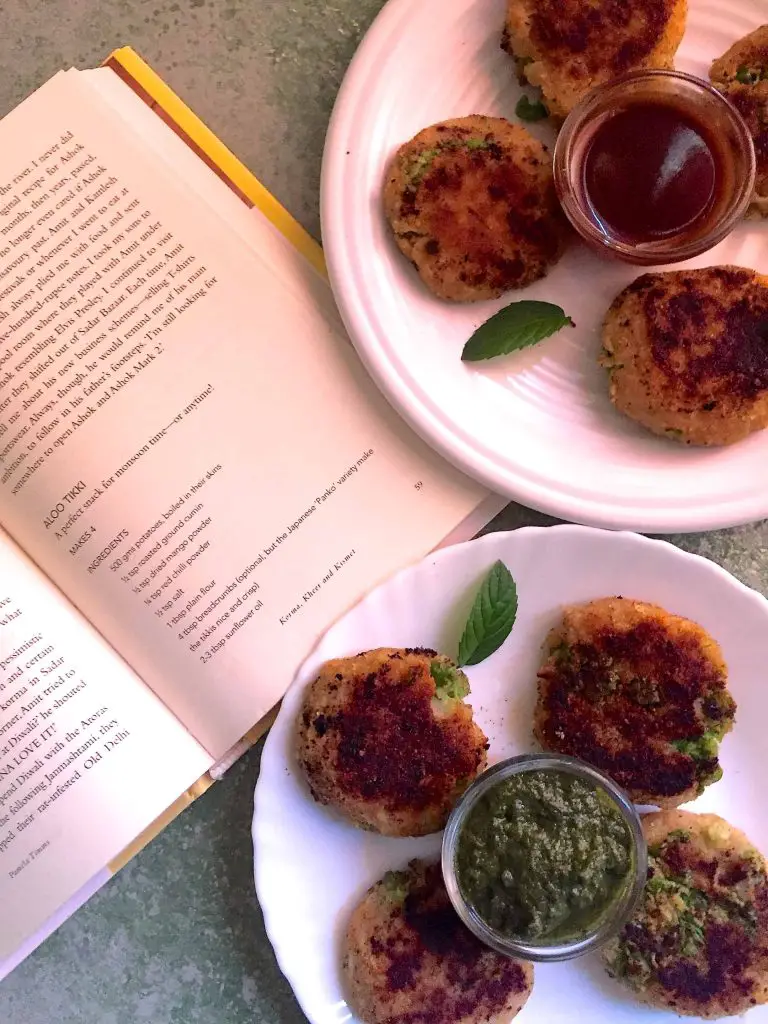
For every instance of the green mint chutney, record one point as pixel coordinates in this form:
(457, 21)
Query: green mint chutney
(543, 855)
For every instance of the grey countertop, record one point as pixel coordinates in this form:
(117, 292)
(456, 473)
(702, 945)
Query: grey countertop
(177, 937)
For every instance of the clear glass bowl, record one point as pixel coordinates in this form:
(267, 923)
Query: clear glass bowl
(620, 910)
(729, 135)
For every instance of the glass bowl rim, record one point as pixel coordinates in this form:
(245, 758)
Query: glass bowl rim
(611, 922)
(659, 250)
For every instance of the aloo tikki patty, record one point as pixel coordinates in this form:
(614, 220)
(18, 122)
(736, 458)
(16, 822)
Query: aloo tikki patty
(472, 204)
(639, 693)
(386, 739)
(741, 75)
(698, 942)
(569, 47)
(408, 959)
(687, 353)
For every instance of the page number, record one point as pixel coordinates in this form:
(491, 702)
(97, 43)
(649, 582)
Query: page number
(419, 486)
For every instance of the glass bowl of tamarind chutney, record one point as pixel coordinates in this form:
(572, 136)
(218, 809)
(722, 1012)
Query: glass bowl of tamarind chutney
(654, 167)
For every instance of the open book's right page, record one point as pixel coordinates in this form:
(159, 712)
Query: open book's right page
(188, 446)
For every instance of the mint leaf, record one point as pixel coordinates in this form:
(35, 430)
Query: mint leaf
(528, 110)
(450, 682)
(491, 618)
(516, 326)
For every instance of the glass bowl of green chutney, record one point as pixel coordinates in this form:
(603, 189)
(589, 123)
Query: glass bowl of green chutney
(544, 857)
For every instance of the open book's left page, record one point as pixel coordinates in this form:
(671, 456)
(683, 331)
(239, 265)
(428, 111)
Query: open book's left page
(89, 757)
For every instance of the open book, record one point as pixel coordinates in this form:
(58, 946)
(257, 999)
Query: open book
(196, 475)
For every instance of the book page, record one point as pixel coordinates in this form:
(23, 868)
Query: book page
(89, 757)
(249, 224)
(189, 446)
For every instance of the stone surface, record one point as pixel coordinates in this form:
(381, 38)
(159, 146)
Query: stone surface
(262, 73)
(177, 937)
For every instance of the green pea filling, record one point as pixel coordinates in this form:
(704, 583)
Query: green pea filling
(421, 162)
(703, 748)
(676, 913)
(531, 110)
(751, 75)
(562, 653)
(450, 682)
(395, 885)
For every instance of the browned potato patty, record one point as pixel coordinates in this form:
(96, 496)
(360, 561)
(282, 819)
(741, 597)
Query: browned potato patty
(638, 693)
(687, 353)
(569, 47)
(741, 74)
(386, 739)
(698, 943)
(408, 959)
(472, 204)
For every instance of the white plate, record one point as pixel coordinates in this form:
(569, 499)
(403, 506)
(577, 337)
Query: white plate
(311, 868)
(538, 425)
